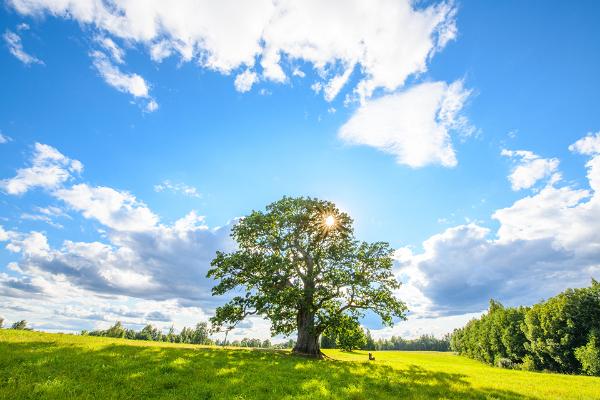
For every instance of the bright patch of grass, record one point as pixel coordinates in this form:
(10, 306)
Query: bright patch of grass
(36, 365)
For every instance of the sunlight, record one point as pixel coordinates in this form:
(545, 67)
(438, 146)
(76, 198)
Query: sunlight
(329, 221)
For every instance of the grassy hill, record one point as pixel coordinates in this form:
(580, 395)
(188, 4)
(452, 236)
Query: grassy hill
(36, 365)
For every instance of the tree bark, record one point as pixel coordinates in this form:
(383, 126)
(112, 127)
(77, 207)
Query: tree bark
(308, 339)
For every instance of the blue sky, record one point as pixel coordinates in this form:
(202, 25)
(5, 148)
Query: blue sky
(446, 113)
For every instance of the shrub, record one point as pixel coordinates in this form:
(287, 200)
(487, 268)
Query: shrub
(529, 363)
(20, 325)
(503, 362)
(589, 355)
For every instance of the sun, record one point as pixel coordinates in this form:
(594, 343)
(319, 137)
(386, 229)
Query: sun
(329, 221)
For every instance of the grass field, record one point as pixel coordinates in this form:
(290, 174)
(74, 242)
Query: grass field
(35, 365)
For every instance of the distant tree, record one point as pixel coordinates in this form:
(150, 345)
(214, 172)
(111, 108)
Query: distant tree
(369, 343)
(351, 339)
(266, 344)
(302, 269)
(186, 335)
(348, 334)
(201, 334)
(1, 322)
(148, 332)
(20, 325)
(171, 335)
(327, 342)
(116, 331)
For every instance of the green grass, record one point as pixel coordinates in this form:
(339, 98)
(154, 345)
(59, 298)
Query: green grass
(35, 365)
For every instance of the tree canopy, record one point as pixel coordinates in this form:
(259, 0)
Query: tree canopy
(299, 265)
(560, 334)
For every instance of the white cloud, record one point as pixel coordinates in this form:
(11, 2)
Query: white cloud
(111, 47)
(245, 80)
(4, 138)
(388, 40)
(115, 209)
(40, 217)
(49, 169)
(589, 145)
(151, 106)
(13, 41)
(132, 84)
(298, 72)
(333, 87)
(545, 242)
(182, 188)
(413, 125)
(159, 263)
(126, 83)
(141, 258)
(530, 168)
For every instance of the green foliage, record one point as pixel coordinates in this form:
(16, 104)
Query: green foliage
(545, 336)
(199, 335)
(20, 325)
(369, 341)
(302, 273)
(348, 334)
(116, 331)
(422, 343)
(37, 365)
(327, 342)
(589, 355)
(556, 327)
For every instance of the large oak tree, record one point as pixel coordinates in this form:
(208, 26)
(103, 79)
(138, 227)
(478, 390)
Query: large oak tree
(299, 265)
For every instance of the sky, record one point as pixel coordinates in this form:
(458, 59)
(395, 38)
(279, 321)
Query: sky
(134, 133)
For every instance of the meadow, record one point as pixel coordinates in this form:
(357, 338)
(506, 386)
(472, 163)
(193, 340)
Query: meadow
(37, 365)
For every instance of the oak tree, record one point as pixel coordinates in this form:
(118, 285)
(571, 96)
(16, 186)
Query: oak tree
(299, 265)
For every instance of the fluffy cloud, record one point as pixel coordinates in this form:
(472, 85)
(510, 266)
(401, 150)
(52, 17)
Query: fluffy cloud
(114, 209)
(136, 260)
(589, 145)
(530, 168)
(49, 169)
(386, 40)
(159, 263)
(413, 125)
(545, 242)
(389, 40)
(245, 80)
(13, 41)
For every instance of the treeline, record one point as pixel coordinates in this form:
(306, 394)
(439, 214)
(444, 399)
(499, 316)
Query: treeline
(257, 343)
(18, 325)
(423, 343)
(198, 335)
(366, 342)
(561, 334)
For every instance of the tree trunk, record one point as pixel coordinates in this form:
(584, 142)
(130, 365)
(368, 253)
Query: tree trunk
(308, 339)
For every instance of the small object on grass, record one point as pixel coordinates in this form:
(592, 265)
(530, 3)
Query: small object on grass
(371, 357)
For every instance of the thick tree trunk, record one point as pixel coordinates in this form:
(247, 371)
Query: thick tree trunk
(308, 340)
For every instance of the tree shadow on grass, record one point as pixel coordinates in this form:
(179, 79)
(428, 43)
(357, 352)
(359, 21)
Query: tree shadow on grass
(34, 370)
